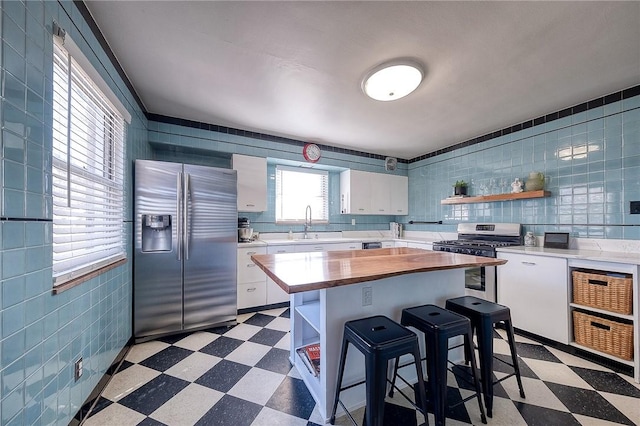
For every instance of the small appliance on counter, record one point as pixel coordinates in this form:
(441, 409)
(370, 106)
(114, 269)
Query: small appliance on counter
(396, 229)
(245, 232)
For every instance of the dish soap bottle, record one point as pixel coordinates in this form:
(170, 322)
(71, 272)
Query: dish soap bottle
(290, 234)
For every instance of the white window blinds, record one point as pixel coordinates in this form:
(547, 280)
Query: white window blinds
(88, 172)
(298, 188)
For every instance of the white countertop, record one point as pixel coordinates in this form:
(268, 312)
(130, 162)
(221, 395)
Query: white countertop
(582, 254)
(595, 250)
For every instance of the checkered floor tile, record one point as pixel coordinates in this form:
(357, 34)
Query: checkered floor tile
(241, 376)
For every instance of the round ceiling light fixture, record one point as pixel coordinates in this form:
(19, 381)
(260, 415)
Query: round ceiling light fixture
(393, 80)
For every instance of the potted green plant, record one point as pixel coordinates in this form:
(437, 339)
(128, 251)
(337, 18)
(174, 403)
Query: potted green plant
(460, 187)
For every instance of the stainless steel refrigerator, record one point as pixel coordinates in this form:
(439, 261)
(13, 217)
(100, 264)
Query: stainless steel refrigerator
(185, 248)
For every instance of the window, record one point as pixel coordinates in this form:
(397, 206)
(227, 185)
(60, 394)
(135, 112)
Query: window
(298, 188)
(87, 171)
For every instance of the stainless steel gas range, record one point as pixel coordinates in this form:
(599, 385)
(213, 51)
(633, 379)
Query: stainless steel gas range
(482, 239)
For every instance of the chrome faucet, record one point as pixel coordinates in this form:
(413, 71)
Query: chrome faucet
(307, 221)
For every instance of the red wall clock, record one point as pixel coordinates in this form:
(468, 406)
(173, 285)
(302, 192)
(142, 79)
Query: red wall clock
(311, 152)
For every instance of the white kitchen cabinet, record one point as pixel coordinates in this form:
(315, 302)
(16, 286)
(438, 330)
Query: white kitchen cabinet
(274, 293)
(535, 288)
(373, 193)
(252, 182)
(355, 245)
(380, 193)
(423, 246)
(399, 194)
(355, 192)
(252, 281)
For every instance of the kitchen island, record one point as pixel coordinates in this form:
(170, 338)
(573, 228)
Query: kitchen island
(329, 288)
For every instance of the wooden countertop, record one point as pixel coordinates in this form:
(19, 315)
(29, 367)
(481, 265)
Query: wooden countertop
(298, 272)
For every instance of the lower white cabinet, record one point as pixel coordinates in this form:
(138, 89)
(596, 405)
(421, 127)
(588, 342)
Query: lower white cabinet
(423, 246)
(274, 293)
(535, 288)
(251, 294)
(252, 281)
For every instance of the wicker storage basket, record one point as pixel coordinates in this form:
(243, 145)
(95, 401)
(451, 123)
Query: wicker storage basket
(602, 291)
(604, 335)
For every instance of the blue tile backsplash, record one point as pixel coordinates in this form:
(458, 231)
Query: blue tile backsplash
(590, 157)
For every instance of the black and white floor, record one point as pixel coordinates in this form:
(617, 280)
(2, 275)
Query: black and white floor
(241, 376)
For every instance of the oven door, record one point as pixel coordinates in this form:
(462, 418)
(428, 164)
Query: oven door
(481, 282)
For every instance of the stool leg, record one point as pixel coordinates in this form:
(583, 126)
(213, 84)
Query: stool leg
(485, 349)
(468, 345)
(439, 398)
(343, 358)
(514, 356)
(422, 401)
(376, 384)
(395, 376)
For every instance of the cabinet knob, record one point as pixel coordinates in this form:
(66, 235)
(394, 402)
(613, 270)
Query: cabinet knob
(250, 265)
(249, 253)
(529, 263)
(250, 205)
(252, 289)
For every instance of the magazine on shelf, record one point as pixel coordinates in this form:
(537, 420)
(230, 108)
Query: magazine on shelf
(310, 356)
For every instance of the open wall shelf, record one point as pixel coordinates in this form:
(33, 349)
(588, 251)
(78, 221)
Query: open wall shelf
(496, 197)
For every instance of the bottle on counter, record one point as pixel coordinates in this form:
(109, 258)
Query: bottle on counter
(290, 234)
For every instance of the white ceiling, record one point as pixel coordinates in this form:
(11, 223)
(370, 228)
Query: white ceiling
(294, 69)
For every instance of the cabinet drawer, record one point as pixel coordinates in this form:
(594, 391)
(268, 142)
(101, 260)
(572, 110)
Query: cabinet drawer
(247, 270)
(252, 294)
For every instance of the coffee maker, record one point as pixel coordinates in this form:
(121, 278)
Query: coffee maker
(245, 232)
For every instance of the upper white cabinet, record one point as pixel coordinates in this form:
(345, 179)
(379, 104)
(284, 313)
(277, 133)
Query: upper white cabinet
(399, 194)
(355, 192)
(373, 193)
(252, 182)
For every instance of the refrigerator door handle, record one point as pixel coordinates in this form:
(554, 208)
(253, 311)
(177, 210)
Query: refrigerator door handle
(179, 214)
(187, 214)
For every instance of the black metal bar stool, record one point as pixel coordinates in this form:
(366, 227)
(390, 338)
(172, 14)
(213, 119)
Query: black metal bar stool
(438, 326)
(483, 315)
(380, 339)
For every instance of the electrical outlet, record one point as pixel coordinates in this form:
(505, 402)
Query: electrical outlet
(634, 207)
(353, 222)
(78, 369)
(367, 296)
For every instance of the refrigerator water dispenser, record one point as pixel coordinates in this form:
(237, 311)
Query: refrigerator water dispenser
(156, 232)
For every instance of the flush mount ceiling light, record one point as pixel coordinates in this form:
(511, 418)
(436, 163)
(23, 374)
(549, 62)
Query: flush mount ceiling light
(393, 80)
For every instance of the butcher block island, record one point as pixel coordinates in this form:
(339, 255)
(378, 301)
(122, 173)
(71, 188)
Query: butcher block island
(329, 288)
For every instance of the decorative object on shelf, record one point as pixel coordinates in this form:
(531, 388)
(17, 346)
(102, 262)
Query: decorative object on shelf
(535, 182)
(529, 239)
(460, 187)
(311, 152)
(516, 186)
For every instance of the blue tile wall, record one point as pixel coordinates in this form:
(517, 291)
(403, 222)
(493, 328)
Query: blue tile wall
(42, 334)
(206, 147)
(591, 161)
